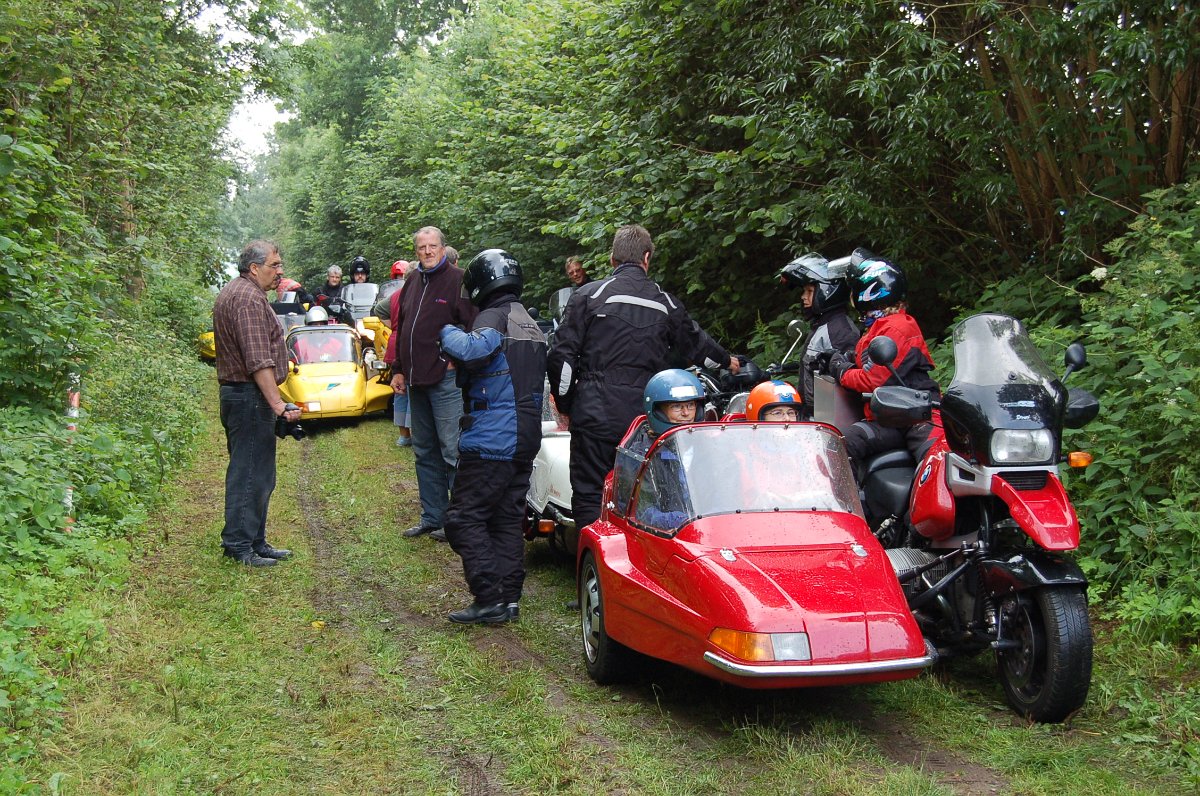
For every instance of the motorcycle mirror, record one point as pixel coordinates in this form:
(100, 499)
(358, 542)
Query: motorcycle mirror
(1075, 358)
(882, 351)
(796, 327)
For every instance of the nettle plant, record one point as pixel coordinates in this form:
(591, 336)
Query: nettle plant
(1138, 501)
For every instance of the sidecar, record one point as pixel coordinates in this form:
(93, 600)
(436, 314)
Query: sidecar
(206, 345)
(740, 551)
(548, 502)
(329, 375)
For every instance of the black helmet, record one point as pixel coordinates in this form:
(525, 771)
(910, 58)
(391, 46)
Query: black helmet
(876, 284)
(813, 269)
(492, 270)
(359, 265)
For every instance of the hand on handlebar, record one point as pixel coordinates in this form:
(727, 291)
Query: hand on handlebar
(839, 363)
(735, 365)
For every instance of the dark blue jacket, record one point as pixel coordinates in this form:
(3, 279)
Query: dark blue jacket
(502, 368)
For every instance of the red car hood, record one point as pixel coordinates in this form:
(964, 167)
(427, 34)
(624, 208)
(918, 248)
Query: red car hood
(832, 580)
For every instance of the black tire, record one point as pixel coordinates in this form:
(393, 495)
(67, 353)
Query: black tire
(1047, 677)
(607, 661)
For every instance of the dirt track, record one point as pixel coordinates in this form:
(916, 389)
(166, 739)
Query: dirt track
(341, 594)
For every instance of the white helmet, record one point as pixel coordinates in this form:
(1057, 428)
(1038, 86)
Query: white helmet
(317, 316)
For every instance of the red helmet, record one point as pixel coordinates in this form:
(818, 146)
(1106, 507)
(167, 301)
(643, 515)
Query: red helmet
(288, 285)
(399, 269)
(769, 395)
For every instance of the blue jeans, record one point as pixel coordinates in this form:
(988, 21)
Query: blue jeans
(400, 410)
(434, 413)
(250, 478)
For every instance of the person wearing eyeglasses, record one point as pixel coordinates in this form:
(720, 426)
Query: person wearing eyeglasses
(252, 362)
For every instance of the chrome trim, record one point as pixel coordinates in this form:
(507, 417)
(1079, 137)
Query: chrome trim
(559, 517)
(817, 670)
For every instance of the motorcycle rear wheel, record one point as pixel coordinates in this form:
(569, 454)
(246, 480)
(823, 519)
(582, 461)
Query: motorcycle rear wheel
(1047, 677)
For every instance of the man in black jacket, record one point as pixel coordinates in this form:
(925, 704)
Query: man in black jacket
(615, 334)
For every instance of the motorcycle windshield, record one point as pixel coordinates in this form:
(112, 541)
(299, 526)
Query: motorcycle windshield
(1000, 382)
(558, 302)
(995, 351)
(705, 470)
(306, 346)
(360, 296)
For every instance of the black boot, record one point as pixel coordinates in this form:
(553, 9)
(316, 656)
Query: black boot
(478, 613)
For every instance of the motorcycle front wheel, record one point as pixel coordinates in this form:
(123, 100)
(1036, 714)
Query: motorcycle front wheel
(1047, 675)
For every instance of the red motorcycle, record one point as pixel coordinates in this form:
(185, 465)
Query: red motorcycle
(980, 548)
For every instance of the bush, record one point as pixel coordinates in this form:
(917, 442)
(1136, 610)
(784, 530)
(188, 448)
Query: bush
(139, 418)
(1139, 500)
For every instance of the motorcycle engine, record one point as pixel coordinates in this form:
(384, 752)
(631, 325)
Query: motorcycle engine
(906, 559)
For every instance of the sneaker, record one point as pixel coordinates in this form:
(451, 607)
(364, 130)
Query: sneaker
(420, 530)
(404, 442)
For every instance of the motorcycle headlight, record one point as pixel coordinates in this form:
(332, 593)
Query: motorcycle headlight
(1026, 446)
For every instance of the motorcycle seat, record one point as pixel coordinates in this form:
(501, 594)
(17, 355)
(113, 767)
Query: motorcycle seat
(890, 459)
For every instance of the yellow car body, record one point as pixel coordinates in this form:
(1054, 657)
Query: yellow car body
(207, 345)
(330, 376)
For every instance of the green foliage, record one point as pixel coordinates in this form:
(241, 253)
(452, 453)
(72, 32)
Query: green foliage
(110, 178)
(139, 418)
(1139, 500)
(743, 134)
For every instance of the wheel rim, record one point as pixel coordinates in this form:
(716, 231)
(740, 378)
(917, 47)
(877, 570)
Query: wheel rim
(589, 611)
(1023, 666)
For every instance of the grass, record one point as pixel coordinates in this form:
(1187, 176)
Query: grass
(336, 672)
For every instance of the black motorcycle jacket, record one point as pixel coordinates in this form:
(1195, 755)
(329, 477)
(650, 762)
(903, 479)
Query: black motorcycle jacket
(615, 334)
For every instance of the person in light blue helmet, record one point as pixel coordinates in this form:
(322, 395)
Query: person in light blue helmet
(672, 398)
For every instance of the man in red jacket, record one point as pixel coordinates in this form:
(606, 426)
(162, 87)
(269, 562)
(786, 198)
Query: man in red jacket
(433, 296)
(878, 289)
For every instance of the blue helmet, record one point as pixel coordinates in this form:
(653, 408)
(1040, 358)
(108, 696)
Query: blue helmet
(670, 386)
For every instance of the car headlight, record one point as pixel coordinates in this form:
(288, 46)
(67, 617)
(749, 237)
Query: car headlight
(762, 646)
(1025, 446)
(312, 406)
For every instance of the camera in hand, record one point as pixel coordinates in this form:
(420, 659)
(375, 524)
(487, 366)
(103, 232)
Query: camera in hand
(285, 429)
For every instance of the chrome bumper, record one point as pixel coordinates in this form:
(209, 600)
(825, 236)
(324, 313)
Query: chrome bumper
(818, 670)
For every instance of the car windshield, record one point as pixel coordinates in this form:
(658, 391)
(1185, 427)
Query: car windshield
(321, 345)
(705, 470)
(360, 296)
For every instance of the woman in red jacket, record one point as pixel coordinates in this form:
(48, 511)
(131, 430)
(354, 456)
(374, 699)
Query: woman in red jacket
(878, 288)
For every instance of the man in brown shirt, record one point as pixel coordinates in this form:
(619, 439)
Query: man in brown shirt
(251, 364)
